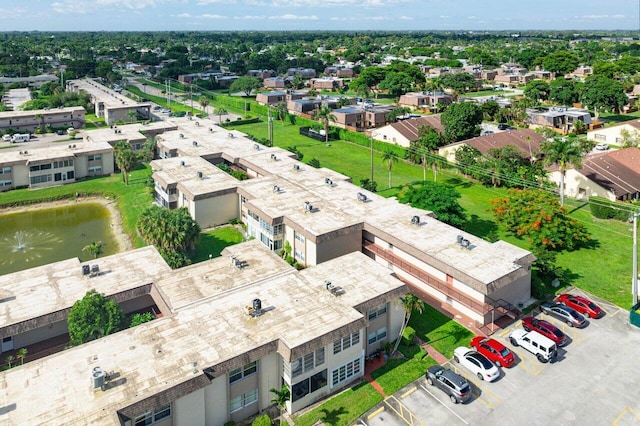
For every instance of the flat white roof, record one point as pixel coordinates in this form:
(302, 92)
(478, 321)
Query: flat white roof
(49, 152)
(173, 351)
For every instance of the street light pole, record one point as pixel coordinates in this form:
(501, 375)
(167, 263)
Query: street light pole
(634, 277)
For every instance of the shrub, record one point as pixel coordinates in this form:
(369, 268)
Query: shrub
(230, 423)
(263, 420)
(138, 319)
(235, 221)
(602, 208)
(408, 335)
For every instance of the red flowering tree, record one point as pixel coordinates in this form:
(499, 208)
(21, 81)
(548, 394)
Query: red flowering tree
(538, 217)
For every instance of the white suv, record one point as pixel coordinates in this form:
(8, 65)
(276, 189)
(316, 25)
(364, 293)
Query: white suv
(541, 346)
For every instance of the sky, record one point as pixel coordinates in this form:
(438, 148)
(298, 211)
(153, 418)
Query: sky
(293, 15)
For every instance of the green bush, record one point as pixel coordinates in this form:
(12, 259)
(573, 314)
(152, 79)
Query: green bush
(240, 122)
(138, 319)
(263, 420)
(603, 208)
(408, 335)
(230, 423)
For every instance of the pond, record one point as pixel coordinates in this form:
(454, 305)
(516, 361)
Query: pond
(41, 236)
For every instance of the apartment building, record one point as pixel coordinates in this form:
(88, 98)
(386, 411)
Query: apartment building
(322, 215)
(29, 121)
(111, 105)
(231, 329)
(420, 100)
(53, 165)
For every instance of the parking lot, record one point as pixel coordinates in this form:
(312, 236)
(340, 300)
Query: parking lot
(594, 381)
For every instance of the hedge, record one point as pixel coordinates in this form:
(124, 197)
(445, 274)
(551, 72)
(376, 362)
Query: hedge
(603, 208)
(240, 122)
(408, 335)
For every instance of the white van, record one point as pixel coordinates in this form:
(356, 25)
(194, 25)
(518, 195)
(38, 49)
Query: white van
(6, 138)
(21, 137)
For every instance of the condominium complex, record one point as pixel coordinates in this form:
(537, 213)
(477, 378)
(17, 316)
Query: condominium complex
(230, 329)
(322, 215)
(54, 118)
(111, 105)
(56, 164)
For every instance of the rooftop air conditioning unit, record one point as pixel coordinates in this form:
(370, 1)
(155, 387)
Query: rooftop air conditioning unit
(296, 167)
(415, 220)
(197, 124)
(273, 157)
(256, 147)
(181, 136)
(86, 269)
(276, 188)
(257, 305)
(195, 143)
(328, 181)
(95, 269)
(230, 135)
(98, 378)
(69, 148)
(199, 174)
(308, 207)
(73, 146)
(25, 153)
(182, 163)
(211, 129)
(362, 197)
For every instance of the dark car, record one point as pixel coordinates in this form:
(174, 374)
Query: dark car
(546, 329)
(494, 350)
(503, 126)
(564, 313)
(451, 383)
(581, 304)
(59, 132)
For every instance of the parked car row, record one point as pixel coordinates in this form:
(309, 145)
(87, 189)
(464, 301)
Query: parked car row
(537, 336)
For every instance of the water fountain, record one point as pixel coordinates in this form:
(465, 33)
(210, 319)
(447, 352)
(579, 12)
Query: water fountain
(20, 241)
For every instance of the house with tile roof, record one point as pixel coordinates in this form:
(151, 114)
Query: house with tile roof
(525, 140)
(406, 131)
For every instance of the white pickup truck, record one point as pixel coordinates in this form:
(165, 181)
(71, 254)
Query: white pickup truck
(541, 346)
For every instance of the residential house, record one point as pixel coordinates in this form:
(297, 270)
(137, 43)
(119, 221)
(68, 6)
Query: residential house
(423, 100)
(526, 141)
(614, 175)
(406, 131)
(305, 73)
(327, 83)
(617, 134)
(262, 74)
(275, 83)
(560, 119)
(340, 71)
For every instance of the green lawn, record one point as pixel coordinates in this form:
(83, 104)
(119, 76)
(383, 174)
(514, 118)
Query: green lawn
(94, 122)
(439, 331)
(214, 241)
(162, 101)
(344, 408)
(398, 373)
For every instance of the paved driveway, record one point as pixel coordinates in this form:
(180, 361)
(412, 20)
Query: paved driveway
(594, 381)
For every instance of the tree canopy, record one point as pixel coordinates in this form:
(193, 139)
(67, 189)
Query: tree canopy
(245, 84)
(439, 198)
(126, 159)
(603, 93)
(538, 90)
(92, 317)
(462, 121)
(561, 62)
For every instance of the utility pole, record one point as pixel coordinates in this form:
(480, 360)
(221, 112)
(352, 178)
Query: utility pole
(191, 98)
(634, 278)
(270, 124)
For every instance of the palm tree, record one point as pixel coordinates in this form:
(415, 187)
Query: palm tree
(325, 114)
(41, 118)
(563, 152)
(221, 112)
(21, 355)
(95, 248)
(410, 303)
(9, 360)
(281, 398)
(204, 103)
(282, 112)
(390, 158)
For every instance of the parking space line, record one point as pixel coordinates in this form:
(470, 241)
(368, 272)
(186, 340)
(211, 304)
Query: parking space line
(402, 411)
(489, 398)
(409, 392)
(445, 405)
(375, 413)
(623, 413)
(527, 364)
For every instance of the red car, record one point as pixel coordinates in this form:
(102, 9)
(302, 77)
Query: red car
(494, 350)
(546, 329)
(581, 304)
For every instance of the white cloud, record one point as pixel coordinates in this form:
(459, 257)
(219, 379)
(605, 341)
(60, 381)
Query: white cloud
(406, 18)
(291, 17)
(212, 16)
(183, 15)
(336, 3)
(250, 17)
(206, 2)
(471, 17)
(89, 6)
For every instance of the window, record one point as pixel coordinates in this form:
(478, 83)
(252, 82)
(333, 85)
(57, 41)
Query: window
(309, 385)
(378, 311)
(40, 167)
(57, 177)
(376, 336)
(95, 170)
(345, 372)
(154, 416)
(5, 170)
(299, 255)
(70, 174)
(5, 183)
(307, 362)
(40, 179)
(277, 229)
(600, 138)
(241, 373)
(299, 236)
(95, 157)
(346, 342)
(241, 401)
